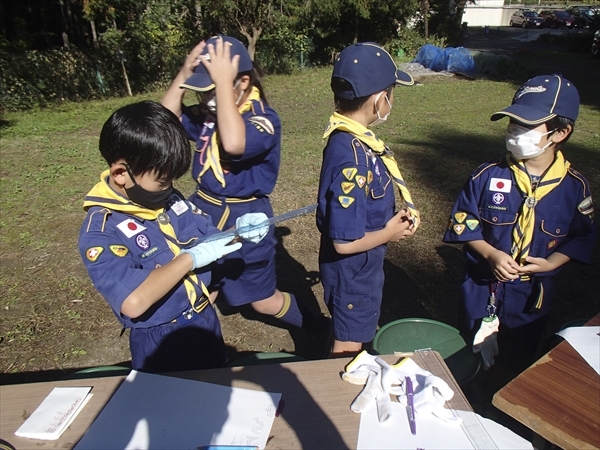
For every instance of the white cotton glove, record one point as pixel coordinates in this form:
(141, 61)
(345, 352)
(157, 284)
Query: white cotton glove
(208, 252)
(378, 378)
(430, 392)
(486, 341)
(373, 392)
(256, 235)
(357, 371)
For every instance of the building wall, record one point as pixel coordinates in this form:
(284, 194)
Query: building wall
(488, 13)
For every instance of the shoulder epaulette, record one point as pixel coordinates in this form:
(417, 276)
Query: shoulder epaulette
(361, 157)
(97, 220)
(258, 104)
(581, 178)
(485, 166)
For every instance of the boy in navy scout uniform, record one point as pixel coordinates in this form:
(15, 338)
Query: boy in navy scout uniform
(140, 243)
(522, 218)
(356, 212)
(236, 163)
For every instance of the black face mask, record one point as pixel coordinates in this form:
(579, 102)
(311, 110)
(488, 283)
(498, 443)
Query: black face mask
(145, 198)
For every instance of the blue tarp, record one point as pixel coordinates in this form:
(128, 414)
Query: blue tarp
(452, 59)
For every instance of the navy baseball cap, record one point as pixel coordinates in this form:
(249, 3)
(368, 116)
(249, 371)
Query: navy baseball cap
(368, 68)
(200, 80)
(541, 99)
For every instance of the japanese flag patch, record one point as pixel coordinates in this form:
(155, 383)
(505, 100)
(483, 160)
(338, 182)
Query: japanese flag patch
(500, 185)
(130, 228)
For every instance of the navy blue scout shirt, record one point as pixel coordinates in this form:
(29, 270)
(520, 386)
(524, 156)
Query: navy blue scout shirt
(356, 194)
(490, 201)
(252, 174)
(120, 249)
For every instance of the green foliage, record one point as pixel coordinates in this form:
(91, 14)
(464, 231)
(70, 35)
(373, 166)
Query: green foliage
(333, 25)
(410, 40)
(281, 50)
(147, 41)
(36, 78)
(501, 67)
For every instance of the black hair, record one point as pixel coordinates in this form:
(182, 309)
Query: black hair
(561, 123)
(149, 137)
(255, 80)
(343, 105)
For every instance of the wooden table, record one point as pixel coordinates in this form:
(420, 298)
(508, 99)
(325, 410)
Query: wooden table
(558, 397)
(316, 414)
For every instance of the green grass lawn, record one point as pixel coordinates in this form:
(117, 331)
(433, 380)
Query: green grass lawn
(439, 130)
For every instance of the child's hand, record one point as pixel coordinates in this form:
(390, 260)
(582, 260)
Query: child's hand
(399, 226)
(219, 64)
(416, 221)
(535, 265)
(503, 266)
(192, 60)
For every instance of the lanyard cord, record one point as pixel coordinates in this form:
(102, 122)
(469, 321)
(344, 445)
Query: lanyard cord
(491, 306)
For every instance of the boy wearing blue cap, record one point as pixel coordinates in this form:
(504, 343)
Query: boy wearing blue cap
(236, 164)
(522, 217)
(141, 243)
(356, 212)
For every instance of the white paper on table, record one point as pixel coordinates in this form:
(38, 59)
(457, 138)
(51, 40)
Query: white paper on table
(432, 432)
(586, 341)
(55, 413)
(155, 411)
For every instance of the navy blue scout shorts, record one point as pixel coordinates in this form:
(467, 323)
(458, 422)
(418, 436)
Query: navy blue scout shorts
(247, 275)
(191, 342)
(353, 287)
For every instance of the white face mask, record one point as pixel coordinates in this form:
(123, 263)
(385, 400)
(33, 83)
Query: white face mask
(380, 119)
(237, 83)
(523, 142)
(211, 104)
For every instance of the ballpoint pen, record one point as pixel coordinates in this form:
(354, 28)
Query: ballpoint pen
(411, 405)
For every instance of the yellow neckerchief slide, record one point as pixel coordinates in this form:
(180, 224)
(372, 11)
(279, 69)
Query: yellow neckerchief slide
(103, 195)
(213, 160)
(523, 230)
(340, 122)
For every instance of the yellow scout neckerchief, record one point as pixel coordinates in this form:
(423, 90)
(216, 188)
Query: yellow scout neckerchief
(103, 195)
(212, 160)
(340, 122)
(523, 230)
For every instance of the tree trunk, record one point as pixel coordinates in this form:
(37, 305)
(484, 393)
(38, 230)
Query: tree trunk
(126, 78)
(94, 35)
(425, 10)
(252, 39)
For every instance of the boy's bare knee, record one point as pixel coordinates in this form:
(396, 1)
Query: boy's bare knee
(271, 305)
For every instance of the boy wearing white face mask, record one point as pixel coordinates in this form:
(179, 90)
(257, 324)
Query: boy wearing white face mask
(522, 218)
(356, 212)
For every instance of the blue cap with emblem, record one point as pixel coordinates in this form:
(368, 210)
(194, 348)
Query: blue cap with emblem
(200, 80)
(368, 68)
(541, 99)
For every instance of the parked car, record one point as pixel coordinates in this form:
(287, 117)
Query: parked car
(583, 15)
(524, 19)
(596, 43)
(557, 19)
